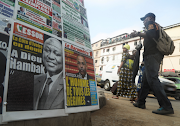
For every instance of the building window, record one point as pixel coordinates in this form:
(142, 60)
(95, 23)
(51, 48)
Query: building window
(101, 68)
(107, 58)
(92, 45)
(96, 53)
(135, 43)
(103, 50)
(113, 57)
(114, 48)
(96, 61)
(107, 50)
(102, 60)
(96, 45)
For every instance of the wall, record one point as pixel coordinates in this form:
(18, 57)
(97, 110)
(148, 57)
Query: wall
(118, 51)
(95, 48)
(169, 62)
(173, 61)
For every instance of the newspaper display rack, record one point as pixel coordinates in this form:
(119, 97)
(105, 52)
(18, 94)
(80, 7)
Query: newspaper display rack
(47, 66)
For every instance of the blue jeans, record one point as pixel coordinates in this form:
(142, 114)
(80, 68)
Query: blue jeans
(150, 81)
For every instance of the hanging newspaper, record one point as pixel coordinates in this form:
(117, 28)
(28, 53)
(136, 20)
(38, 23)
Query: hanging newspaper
(5, 32)
(75, 25)
(7, 8)
(81, 91)
(57, 25)
(30, 66)
(35, 13)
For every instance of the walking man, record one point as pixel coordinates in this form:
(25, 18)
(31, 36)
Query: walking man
(152, 60)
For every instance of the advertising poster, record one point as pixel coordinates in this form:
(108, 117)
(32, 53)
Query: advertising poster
(7, 8)
(5, 31)
(81, 89)
(75, 24)
(57, 25)
(35, 86)
(37, 13)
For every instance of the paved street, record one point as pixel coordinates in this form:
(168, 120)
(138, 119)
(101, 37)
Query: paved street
(150, 95)
(150, 98)
(120, 112)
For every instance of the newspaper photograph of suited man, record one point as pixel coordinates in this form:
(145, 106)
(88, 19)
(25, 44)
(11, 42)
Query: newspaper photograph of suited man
(48, 87)
(82, 67)
(80, 77)
(35, 76)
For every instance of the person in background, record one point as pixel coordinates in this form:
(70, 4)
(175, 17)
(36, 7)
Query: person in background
(139, 84)
(133, 54)
(125, 87)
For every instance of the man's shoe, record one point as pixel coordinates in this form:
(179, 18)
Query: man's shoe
(162, 111)
(136, 104)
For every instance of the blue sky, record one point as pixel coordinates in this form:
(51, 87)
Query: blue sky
(108, 18)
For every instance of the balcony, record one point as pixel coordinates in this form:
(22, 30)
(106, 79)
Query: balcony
(116, 39)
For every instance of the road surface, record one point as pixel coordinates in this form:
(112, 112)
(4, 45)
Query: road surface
(120, 112)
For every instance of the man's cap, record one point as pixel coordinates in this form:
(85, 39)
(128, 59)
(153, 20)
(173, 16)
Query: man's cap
(148, 15)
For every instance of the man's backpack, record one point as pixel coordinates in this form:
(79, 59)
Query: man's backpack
(164, 43)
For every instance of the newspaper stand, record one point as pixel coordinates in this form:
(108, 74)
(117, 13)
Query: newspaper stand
(43, 39)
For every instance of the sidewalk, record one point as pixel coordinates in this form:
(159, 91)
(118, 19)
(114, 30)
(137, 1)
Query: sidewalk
(120, 112)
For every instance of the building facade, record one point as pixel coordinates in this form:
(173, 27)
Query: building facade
(172, 62)
(96, 53)
(110, 50)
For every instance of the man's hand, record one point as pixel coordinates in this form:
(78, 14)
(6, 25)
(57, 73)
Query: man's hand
(134, 33)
